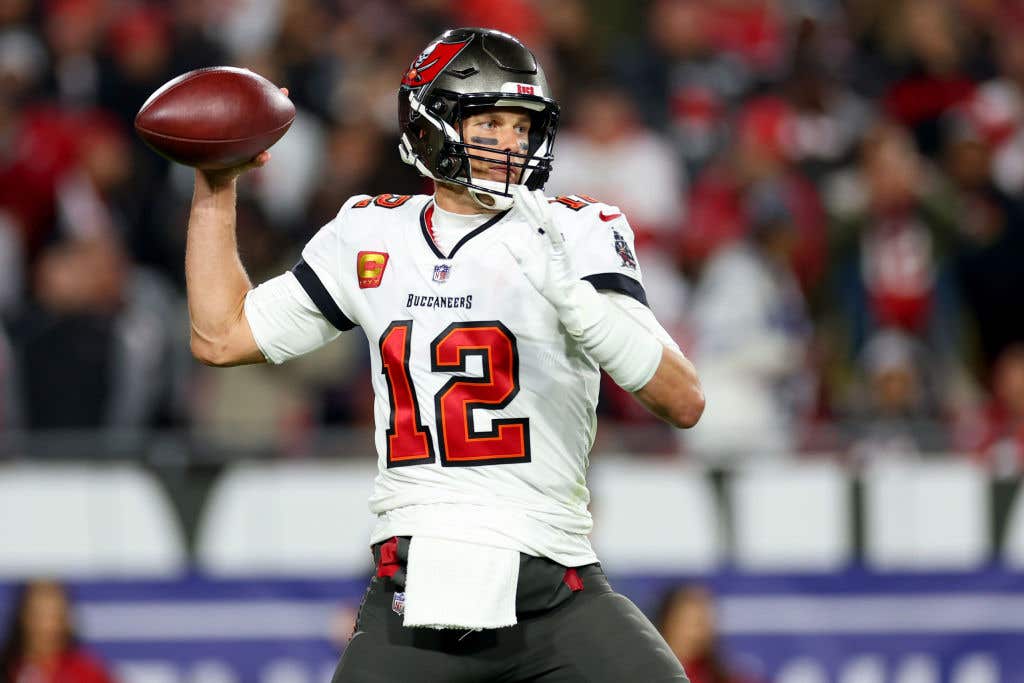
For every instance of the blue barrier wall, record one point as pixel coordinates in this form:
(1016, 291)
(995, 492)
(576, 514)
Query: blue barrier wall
(850, 627)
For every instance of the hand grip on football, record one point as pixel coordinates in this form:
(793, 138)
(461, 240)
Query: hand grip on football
(216, 118)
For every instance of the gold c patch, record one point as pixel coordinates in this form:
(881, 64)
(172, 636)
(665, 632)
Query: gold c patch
(370, 268)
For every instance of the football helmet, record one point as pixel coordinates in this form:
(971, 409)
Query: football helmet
(461, 72)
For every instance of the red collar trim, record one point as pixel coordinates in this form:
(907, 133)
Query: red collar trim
(428, 220)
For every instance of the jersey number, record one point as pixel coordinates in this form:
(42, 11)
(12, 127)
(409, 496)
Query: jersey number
(409, 441)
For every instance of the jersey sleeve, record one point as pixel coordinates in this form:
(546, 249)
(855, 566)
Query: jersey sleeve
(603, 251)
(284, 321)
(320, 271)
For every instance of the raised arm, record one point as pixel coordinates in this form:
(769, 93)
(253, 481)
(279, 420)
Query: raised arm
(627, 342)
(674, 392)
(215, 279)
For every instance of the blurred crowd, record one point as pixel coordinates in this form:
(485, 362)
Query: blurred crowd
(828, 199)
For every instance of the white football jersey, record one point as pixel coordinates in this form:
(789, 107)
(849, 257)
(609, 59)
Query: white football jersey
(484, 406)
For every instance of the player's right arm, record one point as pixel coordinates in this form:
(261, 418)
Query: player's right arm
(216, 282)
(287, 316)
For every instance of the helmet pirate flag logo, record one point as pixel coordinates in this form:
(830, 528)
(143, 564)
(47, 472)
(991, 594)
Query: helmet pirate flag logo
(431, 62)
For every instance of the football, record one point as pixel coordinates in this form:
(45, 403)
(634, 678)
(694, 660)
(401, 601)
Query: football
(214, 118)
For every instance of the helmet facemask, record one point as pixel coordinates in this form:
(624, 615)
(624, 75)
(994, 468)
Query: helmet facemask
(439, 127)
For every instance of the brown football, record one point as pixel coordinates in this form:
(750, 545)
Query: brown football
(214, 118)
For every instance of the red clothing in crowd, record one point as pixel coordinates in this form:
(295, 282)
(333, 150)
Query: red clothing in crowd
(707, 670)
(45, 148)
(717, 218)
(999, 443)
(74, 666)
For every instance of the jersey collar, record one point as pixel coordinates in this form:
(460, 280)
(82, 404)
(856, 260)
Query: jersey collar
(427, 228)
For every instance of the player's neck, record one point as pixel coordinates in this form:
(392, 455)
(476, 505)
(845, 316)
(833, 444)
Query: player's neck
(456, 199)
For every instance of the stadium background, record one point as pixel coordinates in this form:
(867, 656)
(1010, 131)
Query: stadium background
(827, 201)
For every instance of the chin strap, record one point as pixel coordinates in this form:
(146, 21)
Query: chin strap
(491, 197)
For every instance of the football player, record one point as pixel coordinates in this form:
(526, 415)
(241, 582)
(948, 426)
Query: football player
(490, 310)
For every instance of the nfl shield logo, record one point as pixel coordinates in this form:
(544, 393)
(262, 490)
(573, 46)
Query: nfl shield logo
(441, 272)
(398, 603)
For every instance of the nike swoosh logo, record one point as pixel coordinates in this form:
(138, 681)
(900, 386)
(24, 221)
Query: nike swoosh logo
(609, 217)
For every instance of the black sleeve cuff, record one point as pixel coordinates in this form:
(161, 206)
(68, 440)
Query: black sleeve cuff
(616, 282)
(320, 296)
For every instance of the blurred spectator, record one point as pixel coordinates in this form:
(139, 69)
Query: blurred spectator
(249, 25)
(998, 441)
(828, 118)
(682, 81)
(575, 64)
(990, 239)
(300, 57)
(74, 31)
(897, 413)
(194, 31)
(40, 644)
(37, 147)
(932, 49)
(686, 619)
(23, 64)
(608, 153)
(759, 153)
(101, 343)
(10, 396)
(997, 108)
(139, 58)
(12, 257)
(892, 239)
(751, 335)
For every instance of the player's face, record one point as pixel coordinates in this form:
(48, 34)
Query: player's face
(501, 129)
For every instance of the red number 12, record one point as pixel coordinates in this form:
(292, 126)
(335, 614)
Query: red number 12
(409, 441)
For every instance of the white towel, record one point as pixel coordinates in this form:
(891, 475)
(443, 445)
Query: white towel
(458, 585)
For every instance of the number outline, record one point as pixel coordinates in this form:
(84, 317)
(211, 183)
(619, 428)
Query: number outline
(384, 201)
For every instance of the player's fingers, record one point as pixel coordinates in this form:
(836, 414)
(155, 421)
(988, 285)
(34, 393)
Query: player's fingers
(520, 197)
(544, 209)
(257, 161)
(555, 237)
(523, 201)
(285, 91)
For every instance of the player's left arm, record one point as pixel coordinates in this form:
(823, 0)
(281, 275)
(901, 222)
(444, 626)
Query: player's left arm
(674, 392)
(627, 342)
